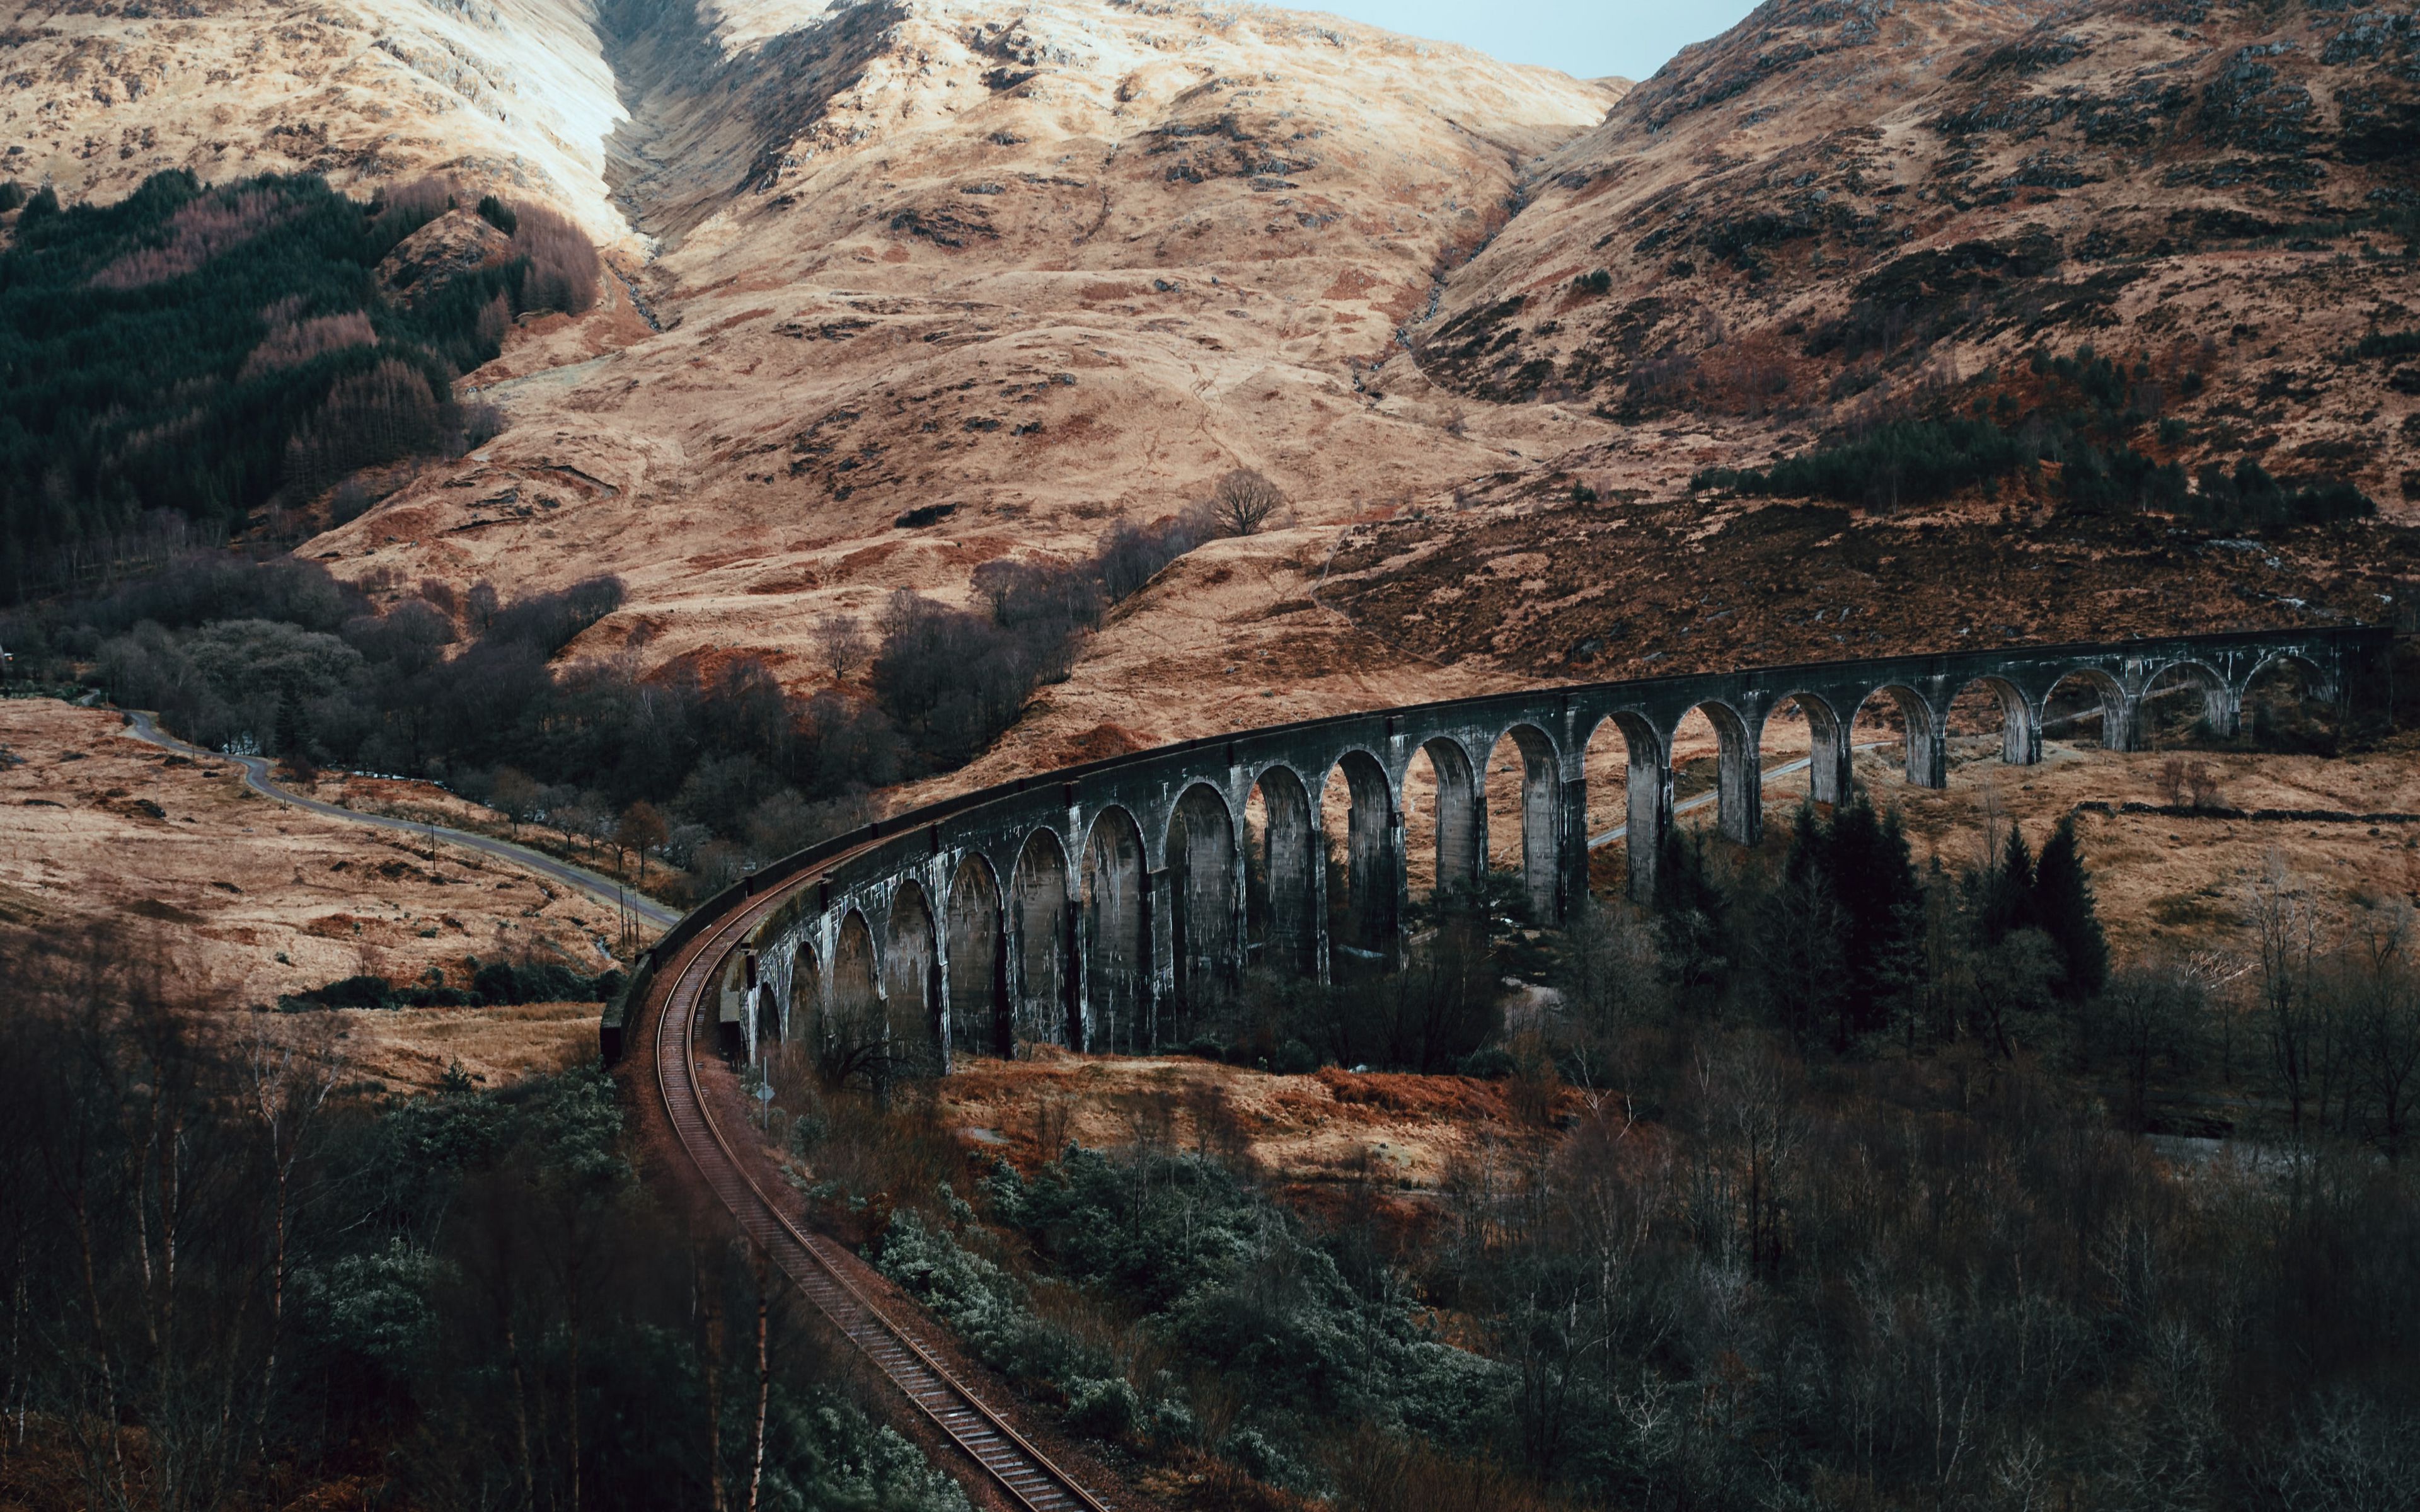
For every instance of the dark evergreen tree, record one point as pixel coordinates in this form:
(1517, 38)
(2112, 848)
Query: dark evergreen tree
(289, 724)
(1874, 879)
(2063, 909)
(1692, 913)
(2003, 892)
(1799, 936)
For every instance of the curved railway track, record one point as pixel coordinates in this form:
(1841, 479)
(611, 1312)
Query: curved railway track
(1026, 1474)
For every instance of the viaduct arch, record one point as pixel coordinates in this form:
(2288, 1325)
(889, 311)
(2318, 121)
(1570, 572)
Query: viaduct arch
(1091, 907)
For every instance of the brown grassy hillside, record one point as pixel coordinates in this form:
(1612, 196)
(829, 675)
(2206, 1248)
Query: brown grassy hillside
(1832, 211)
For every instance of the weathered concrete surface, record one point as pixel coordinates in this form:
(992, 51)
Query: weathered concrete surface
(1091, 907)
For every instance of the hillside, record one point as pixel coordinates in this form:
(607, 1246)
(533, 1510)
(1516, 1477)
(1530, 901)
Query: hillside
(933, 293)
(517, 95)
(905, 288)
(1838, 212)
(2037, 1138)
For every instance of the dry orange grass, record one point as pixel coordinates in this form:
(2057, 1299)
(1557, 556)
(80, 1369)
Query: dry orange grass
(1403, 1133)
(412, 1049)
(254, 900)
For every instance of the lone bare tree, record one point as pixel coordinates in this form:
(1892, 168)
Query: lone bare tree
(1244, 500)
(643, 830)
(842, 640)
(2286, 928)
(520, 797)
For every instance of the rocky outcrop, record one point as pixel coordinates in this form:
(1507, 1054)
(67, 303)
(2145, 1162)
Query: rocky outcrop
(447, 247)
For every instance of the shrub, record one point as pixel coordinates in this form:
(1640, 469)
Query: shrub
(1225, 1275)
(500, 983)
(476, 423)
(1258, 1458)
(1295, 1058)
(1492, 1062)
(2388, 344)
(1103, 1408)
(1172, 1422)
(374, 1307)
(352, 992)
(985, 1305)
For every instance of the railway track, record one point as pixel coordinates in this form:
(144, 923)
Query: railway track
(984, 1435)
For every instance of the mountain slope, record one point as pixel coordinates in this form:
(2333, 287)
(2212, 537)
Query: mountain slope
(1838, 206)
(910, 286)
(937, 291)
(511, 93)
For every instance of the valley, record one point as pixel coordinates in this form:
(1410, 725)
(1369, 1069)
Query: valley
(686, 436)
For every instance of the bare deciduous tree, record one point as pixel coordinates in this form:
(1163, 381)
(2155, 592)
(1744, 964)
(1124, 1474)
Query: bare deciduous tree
(643, 830)
(2188, 784)
(2151, 1013)
(2384, 991)
(844, 641)
(517, 795)
(2286, 929)
(1611, 980)
(288, 1074)
(1243, 501)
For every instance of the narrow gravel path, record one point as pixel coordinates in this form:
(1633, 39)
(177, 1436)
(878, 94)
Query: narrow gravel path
(143, 726)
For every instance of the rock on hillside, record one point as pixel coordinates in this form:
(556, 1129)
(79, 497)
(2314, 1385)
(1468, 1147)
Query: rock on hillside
(453, 244)
(1861, 199)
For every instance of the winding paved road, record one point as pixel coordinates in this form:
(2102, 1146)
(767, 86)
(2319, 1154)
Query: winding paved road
(143, 727)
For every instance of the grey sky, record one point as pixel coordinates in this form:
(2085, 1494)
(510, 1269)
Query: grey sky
(1590, 39)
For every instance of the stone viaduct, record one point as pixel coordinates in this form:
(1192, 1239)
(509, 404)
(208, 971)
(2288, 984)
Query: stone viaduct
(1094, 906)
